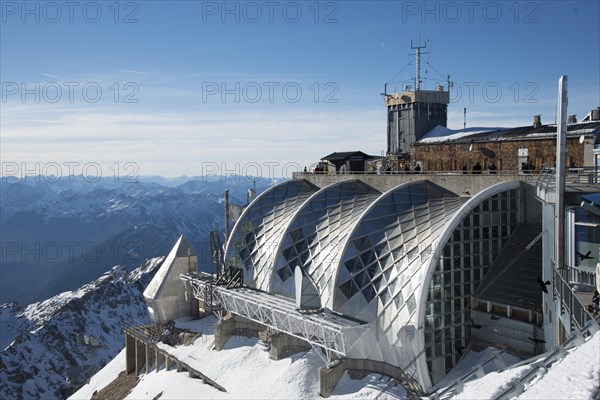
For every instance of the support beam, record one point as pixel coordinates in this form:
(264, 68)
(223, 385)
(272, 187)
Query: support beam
(140, 356)
(323, 329)
(129, 354)
(160, 359)
(150, 357)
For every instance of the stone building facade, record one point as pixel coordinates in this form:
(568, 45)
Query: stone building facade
(508, 149)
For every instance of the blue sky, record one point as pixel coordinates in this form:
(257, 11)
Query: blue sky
(199, 88)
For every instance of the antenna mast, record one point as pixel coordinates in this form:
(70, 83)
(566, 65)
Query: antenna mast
(418, 63)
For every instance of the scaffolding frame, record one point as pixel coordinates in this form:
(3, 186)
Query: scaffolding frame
(323, 329)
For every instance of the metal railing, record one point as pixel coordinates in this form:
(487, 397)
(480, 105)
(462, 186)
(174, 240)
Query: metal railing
(547, 179)
(541, 363)
(570, 303)
(579, 275)
(323, 329)
(574, 177)
(423, 172)
(478, 371)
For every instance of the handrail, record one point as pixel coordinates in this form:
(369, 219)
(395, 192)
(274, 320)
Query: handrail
(571, 171)
(576, 309)
(477, 371)
(426, 172)
(575, 177)
(538, 363)
(516, 387)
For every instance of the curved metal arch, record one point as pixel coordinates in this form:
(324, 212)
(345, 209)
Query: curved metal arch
(230, 251)
(308, 203)
(372, 208)
(429, 268)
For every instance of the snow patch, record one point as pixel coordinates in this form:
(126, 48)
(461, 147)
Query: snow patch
(442, 134)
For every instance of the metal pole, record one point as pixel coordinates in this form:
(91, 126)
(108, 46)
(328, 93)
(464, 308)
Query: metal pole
(418, 79)
(561, 150)
(226, 215)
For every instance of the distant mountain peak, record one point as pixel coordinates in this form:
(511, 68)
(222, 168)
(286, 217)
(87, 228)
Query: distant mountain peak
(47, 340)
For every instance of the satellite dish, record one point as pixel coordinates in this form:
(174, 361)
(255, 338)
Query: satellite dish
(470, 147)
(581, 139)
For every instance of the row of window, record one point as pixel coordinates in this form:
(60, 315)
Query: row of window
(466, 259)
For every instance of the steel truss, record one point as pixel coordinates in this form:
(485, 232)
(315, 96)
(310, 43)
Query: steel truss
(324, 329)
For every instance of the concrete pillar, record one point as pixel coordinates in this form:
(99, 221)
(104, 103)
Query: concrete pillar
(329, 378)
(129, 354)
(167, 363)
(277, 345)
(283, 345)
(160, 359)
(150, 358)
(140, 356)
(223, 332)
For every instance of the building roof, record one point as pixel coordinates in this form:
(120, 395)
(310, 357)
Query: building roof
(442, 134)
(345, 155)
(390, 259)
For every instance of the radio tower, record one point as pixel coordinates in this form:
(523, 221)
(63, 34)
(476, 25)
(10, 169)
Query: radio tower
(418, 62)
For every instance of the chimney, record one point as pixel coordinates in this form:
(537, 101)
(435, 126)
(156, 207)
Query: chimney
(595, 114)
(537, 121)
(572, 119)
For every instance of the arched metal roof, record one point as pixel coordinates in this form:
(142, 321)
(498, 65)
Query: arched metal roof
(315, 237)
(255, 236)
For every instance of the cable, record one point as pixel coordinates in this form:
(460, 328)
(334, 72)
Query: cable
(432, 67)
(390, 80)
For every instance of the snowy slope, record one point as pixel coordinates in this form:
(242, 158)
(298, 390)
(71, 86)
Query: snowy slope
(577, 376)
(245, 370)
(71, 334)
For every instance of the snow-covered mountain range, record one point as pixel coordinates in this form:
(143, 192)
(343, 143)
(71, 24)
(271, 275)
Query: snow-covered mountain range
(59, 233)
(50, 347)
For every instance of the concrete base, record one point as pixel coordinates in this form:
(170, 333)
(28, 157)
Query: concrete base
(283, 346)
(329, 377)
(232, 325)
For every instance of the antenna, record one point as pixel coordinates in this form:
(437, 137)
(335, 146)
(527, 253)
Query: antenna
(465, 119)
(418, 62)
(226, 214)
